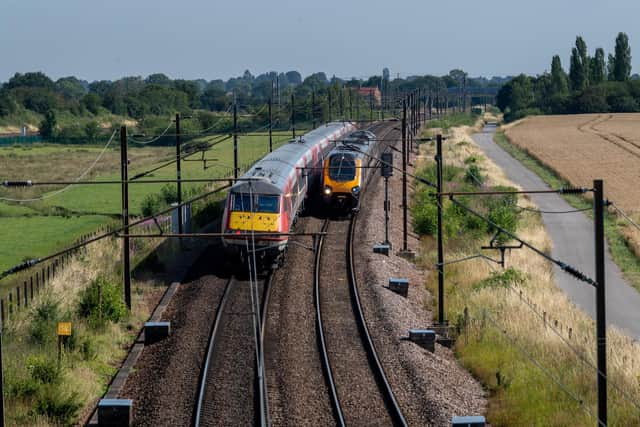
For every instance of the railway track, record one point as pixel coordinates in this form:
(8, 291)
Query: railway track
(360, 391)
(232, 388)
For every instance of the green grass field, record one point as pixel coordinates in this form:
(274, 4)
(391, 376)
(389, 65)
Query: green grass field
(39, 228)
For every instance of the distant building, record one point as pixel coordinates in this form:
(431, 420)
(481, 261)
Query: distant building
(366, 92)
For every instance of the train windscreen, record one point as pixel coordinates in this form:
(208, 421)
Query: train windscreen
(342, 167)
(261, 203)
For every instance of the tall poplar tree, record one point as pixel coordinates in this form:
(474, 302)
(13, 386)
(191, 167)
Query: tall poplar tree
(559, 84)
(598, 72)
(580, 65)
(622, 58)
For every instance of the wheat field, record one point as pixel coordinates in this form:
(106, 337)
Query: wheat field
(584, 147)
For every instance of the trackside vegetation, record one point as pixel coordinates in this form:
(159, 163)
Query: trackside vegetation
(530, 347)
(619, 242)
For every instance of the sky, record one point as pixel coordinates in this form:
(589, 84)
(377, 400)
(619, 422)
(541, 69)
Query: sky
(211, 39)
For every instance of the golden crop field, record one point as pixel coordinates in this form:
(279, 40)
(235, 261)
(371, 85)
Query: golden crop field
(581, 148)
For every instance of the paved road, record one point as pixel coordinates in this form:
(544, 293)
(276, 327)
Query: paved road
(572, 237)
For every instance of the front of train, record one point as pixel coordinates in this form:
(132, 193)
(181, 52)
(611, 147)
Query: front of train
(254, 218)
(343, 171)
(342, 178)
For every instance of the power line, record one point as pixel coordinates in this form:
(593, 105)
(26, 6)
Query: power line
(62, 190)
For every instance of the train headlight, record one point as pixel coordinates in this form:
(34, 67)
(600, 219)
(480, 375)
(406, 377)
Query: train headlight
(356, 189)
(327, 190)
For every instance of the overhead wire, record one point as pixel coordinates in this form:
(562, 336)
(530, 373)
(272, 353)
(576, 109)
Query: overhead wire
(62, 190)
(132, 139)
(624, 215)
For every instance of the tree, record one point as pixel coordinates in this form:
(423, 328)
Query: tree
(37, 79)
(559, 84)
(294, 77)
(92, 102)
(622, 58)
(49, 124)
(598, 67)
(159, 79)
(92, 130)
(580, 65)
(610, 66)
(70, 87)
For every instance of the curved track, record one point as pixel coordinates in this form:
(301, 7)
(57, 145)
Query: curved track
(232, 388)
(355, 377)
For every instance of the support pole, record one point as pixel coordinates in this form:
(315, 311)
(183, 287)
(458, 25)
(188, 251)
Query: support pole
(441, 318)
(404, 176)
(124, 175)
(1, 381)
(387, 208)
(235, 138)
(601, 331)
(313, 108)
(178, 173)
(270, 126)
(330, 102)
(293, 115)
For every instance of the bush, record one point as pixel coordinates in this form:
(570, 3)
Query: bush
(43, 369)
(473, 176)
(102, 301)
(502, 279)
(169, 193)
(61, 407)
(151, 204)
(42, 328)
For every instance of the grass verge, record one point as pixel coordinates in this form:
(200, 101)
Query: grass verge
(616, 228)
(453, 120)
(531, 348)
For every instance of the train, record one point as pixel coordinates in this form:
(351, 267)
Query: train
(271, 195)
(346, 169)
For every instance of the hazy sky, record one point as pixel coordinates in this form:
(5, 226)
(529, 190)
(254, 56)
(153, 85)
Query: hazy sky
(94, 39)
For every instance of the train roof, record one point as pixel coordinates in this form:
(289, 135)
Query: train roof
(357, 143)
(269, 175)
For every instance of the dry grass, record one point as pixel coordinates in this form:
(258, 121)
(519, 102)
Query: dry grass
(527, 396)
(582, 148)
(86, 377)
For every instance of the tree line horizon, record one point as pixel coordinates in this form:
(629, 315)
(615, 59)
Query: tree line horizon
(592, 85)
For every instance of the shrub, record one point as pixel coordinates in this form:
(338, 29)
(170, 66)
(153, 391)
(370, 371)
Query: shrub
(151, 204)
(43, 369)
(473, 176)
(62, 407)
(101, 301)
(42, 327)
(502, 279)
(169, 193)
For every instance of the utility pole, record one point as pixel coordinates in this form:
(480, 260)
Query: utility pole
(235, 137)
(124, 175)
(350, 105)
(601, 331)
(330, 102)
(341, 104)
(270, 126)
(313, 108)
(293, 115)
(1, 381)
(404, 176)
(358, 106)
(371, 106)
(441, 318)
(178, 173)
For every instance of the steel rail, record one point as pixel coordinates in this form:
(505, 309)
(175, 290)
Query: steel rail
(322, 345)
(265, 419)
(210, 349)
(392, 404)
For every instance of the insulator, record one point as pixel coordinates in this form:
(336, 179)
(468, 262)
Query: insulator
(27, 183)
(572, 190)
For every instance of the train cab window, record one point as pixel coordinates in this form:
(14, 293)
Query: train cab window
(261, 203)
(269, 204)
(342, 167)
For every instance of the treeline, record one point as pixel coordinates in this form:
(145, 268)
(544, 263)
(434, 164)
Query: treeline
(151, 100)
(594, 84)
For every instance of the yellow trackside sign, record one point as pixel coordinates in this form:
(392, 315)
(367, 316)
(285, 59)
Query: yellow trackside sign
(64, 329)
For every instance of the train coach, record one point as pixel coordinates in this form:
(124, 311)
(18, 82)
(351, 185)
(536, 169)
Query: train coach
(269, 197)
(346, 169)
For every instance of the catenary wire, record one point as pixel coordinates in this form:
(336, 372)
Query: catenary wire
(62, 190)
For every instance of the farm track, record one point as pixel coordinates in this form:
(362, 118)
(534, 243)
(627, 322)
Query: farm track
(360, 390)
(230, 391)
